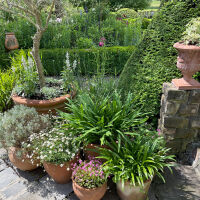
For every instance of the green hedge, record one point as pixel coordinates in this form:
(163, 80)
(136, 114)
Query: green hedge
(112, 59)
(154, 61)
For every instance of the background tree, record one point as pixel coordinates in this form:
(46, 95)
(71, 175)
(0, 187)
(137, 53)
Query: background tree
(114, 4)
(32, 11)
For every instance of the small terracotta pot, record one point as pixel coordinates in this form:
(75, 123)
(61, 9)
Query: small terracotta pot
(188, 62)
(27, 165)
(60, 174)
(91, 154)
(11, 42)
(130, 192)
(44, 106)
(89, 194)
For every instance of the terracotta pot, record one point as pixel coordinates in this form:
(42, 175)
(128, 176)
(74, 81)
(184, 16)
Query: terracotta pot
(11, 42)
(18, 161)
(188, 62)
(130, 192)
(60, 174)
(91, 154)
(89, 194)
(44, 106)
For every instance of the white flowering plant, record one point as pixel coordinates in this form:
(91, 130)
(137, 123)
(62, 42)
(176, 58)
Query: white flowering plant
(17, 124)
(55, 145)
(68, 73)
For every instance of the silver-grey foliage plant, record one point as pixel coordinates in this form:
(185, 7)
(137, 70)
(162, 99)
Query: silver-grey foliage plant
(17, 124)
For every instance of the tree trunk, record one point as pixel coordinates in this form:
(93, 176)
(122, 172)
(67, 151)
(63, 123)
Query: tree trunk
(35, 51)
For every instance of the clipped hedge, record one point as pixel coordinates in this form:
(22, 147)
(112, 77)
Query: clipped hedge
(154, 61)
(112, 59)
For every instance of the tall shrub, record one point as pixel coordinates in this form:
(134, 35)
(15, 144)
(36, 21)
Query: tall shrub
(154, 61)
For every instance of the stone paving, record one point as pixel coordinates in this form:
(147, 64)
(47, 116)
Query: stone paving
(183, 184)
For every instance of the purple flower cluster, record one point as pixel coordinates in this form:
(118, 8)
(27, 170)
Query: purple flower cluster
(88, 174)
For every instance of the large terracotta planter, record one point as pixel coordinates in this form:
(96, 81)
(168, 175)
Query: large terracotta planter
(89, 194)
(23, 162)
(188, 62)
(89, 153)
(60, 174)
(11, 42)
(44, 106)
(130, 192)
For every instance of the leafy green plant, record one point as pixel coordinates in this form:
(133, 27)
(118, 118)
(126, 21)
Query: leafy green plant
(17, 124)
(154, 61)
(25, 67)
(7, 83)
(136, 157)
(191, 36)
(127, 13)
(54, 145)
(97, 115)
(89, 174)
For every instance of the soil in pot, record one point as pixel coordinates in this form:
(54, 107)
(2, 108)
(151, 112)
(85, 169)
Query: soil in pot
(89, 194)
(23, 162)
(130, 192)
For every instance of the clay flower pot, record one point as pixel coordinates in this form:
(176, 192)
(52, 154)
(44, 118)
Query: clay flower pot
(188, 62)
(92, 154)
(11, 42)
(130, 192)
(89, 194)
(23, 162)
(44, 106)
(60, 174)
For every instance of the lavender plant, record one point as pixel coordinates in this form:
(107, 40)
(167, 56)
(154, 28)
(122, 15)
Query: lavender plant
(17, 124)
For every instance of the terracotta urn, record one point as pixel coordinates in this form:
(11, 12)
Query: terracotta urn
(44, 106)
(11, 42)
(130, 192)
(89, 194)
(188, 62)
(23, 162)
(60, 173)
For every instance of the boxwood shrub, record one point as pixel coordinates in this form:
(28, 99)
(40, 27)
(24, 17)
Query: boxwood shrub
(112, 59)
(154, 61)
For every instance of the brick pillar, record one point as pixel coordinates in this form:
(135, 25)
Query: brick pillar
(179, 117)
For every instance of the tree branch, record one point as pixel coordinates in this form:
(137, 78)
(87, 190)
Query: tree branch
(23, 9)
(19, 14)
(49, 16)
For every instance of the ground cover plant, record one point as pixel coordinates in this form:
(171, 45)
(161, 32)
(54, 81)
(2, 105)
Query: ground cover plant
(154, 61)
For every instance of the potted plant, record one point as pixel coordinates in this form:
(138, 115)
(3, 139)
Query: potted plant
(16, 125)
(39, 15)
(56, 151)
(188, 61)
(134, 160)
(52, 96)
(98, 113)
(89, 180)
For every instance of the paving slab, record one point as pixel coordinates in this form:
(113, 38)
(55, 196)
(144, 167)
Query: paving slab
(183, 184)
(60, 191)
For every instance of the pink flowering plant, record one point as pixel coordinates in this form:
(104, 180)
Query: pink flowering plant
(89, 174)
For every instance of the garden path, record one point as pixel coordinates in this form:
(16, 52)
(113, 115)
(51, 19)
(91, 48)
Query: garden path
(183, 184)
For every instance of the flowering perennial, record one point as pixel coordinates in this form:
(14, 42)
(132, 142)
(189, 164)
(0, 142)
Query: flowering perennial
(89, 174)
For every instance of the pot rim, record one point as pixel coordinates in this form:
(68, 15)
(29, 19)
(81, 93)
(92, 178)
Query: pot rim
(42, 103)
(10, 33)
(136, 185)
(87, 189)
(180, 45)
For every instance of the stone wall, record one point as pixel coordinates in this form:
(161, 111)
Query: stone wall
(179, 117)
